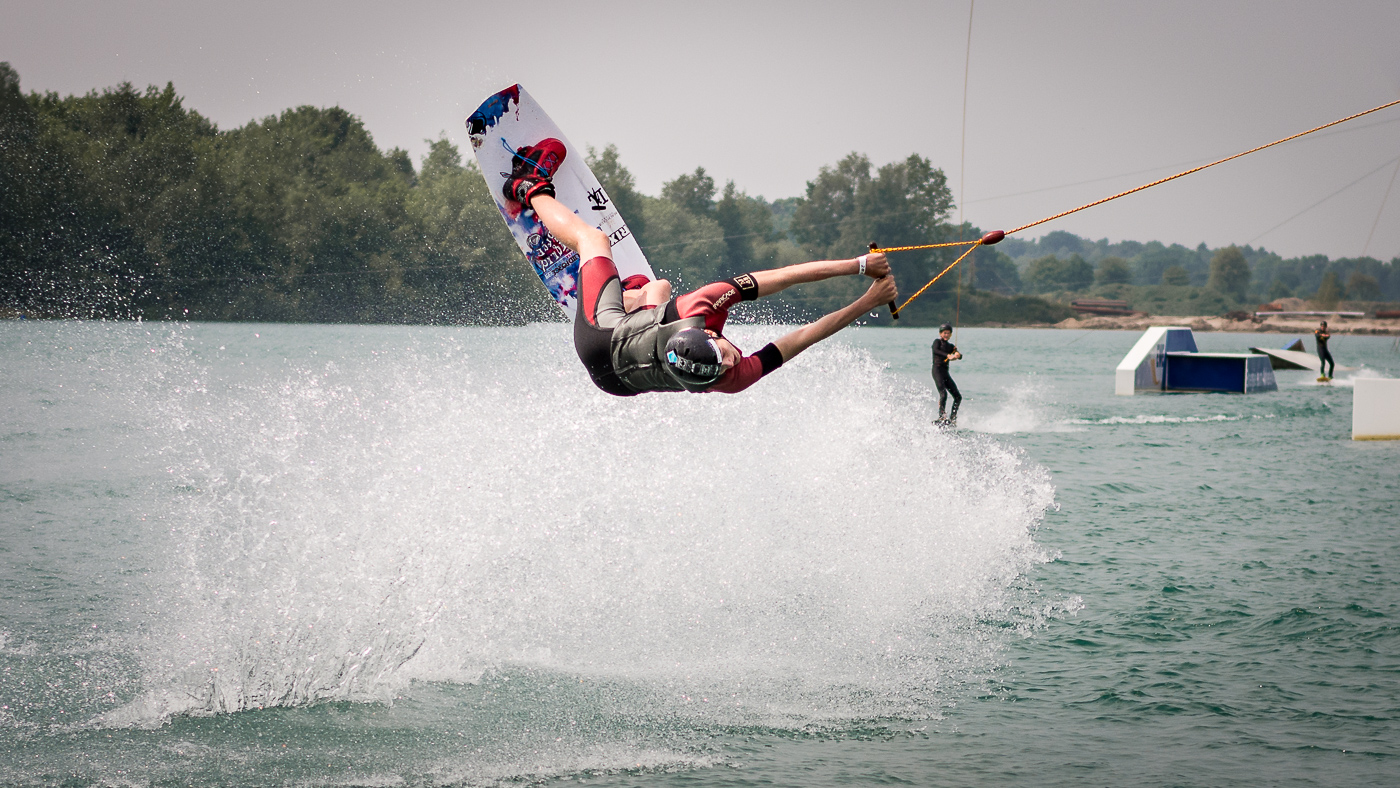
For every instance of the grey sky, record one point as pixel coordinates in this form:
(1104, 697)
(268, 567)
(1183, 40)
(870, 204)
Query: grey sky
(762, 93)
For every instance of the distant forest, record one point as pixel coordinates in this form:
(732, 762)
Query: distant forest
(123, 203)
(1178, 280)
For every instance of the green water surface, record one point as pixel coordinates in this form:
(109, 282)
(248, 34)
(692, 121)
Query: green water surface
(1222, 607)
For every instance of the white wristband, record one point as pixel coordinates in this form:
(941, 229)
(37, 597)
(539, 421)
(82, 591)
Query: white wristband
(861, 260)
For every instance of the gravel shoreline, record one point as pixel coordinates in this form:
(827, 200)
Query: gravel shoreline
(1280, 325)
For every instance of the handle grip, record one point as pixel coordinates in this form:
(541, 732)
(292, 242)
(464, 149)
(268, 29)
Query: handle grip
(894, 310)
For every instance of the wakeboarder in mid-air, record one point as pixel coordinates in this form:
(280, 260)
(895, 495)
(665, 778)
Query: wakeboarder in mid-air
(634, 337)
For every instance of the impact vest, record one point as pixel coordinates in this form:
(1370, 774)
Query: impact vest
(639, 352)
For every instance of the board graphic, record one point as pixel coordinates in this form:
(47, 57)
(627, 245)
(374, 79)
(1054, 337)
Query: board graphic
(501, 126)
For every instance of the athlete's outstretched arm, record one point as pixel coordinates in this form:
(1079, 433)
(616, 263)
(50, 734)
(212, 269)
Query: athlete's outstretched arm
(775, 280)
(573, 232)
(882, 291)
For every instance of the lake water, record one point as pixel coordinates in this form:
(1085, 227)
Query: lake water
(338, 555)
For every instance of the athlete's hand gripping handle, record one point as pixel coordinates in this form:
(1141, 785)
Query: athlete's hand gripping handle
(894, 310)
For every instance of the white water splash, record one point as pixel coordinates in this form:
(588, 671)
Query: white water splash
(445, 509)
(1025, 408)
(1349, 381)
(1153, 418)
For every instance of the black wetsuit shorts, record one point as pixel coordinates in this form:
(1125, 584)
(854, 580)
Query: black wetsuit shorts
(599, 311)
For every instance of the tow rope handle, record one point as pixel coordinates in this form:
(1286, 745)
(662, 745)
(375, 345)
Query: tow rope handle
(993, 237)
(894, 310)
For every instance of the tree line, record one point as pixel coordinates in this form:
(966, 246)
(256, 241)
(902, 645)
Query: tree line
(1234, 275)
(125, 203)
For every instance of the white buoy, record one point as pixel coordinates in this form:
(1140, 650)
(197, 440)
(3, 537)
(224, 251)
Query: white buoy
(1375, 409)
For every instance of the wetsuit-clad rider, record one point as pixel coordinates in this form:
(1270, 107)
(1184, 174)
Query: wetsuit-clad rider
(1323, 354)
(633, 337)
(943, 352)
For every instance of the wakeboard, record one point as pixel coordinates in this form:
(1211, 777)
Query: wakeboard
(511, 120)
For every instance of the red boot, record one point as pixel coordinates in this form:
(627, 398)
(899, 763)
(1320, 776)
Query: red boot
(533, 169)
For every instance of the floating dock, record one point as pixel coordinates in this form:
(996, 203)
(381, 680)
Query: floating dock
(1280, 313)
(1101, 306)
(1165, 359)
(1375, 409)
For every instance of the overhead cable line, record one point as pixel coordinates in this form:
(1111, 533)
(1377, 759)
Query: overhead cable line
(962, 160)
(1381, 209)
(1383, 165)
(1155, 169)
(997, 235)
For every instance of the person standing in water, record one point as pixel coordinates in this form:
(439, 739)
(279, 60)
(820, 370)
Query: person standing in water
(943, 352)
(1328, 365)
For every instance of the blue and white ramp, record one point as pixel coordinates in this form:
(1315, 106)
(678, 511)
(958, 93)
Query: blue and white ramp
(1166, 359)
(1145, 366)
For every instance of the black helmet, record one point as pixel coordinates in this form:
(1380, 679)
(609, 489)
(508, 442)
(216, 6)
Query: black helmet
(945, 327)
(694, 356)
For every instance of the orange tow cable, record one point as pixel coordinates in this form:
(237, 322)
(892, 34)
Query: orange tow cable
(996, 235)
(925, 246)
(971, 246)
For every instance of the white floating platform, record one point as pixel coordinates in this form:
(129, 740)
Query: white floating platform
(1375, 409)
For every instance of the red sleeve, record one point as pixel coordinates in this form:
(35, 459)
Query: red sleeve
(740, 376)
(711, 302)
(749, 370)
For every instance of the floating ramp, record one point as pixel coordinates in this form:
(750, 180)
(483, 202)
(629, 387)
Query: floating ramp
(1166, 359)
(1292, 356)
(1289, 359)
